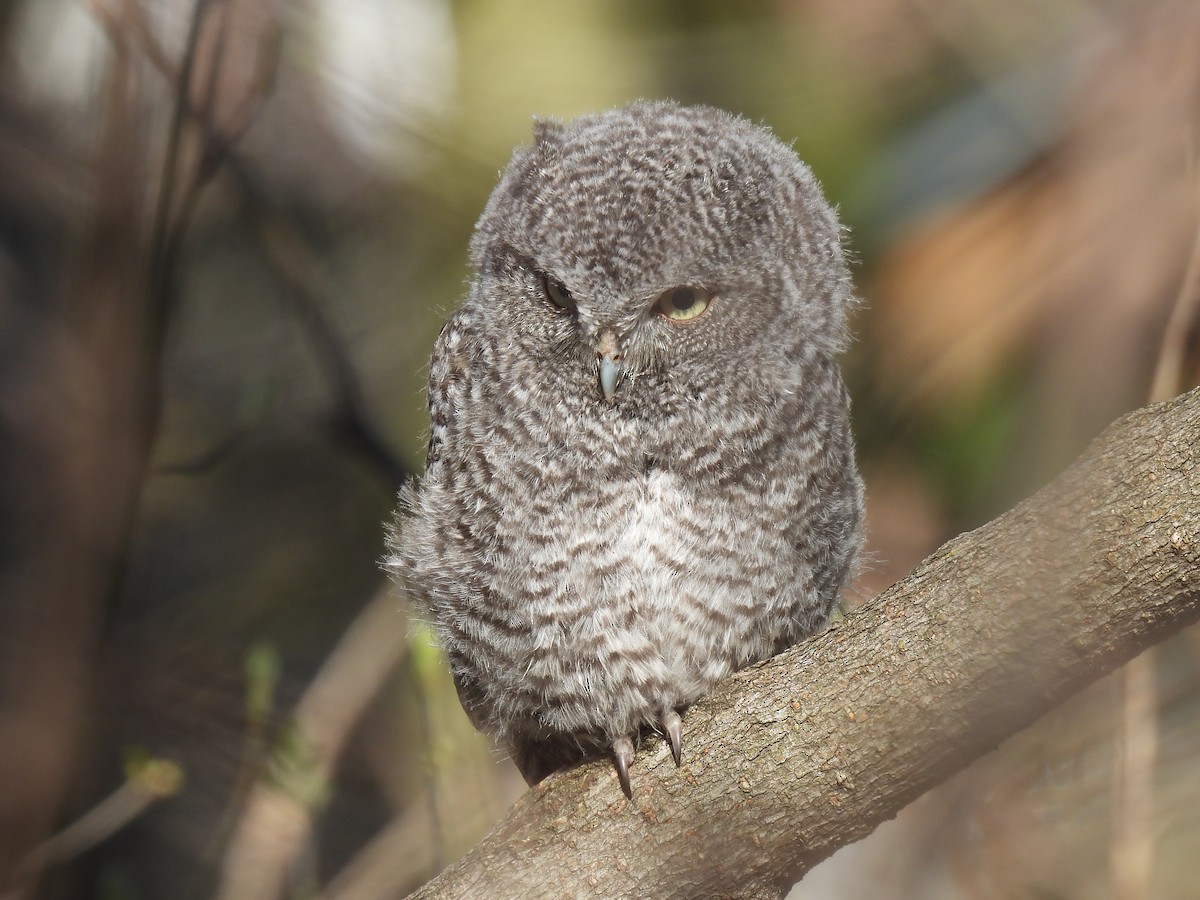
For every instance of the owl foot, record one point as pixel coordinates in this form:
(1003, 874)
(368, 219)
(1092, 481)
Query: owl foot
(673, 727)
(622, 749)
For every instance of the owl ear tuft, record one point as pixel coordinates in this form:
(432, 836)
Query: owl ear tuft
(547, 132)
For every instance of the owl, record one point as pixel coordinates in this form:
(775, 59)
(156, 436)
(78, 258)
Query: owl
(640, 474)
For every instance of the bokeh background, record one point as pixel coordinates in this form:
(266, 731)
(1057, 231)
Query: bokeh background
(229, 231)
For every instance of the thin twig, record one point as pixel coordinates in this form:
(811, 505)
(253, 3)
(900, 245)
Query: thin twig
(294, 263)
(275, 826)
(1132, 851)
(166, 240)
(1133, 825)
(285, 245)
(1168, 371)
(155, 781)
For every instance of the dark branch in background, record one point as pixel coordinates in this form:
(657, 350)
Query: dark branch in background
(80, 413)
(286, 247)
(78, 408)
(351, 424)
(169, 229)
(810, 751)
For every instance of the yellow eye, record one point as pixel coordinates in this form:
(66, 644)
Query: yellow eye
(682, 304)
(557, 293)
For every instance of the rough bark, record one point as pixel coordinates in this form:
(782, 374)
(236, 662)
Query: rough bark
(798, 756)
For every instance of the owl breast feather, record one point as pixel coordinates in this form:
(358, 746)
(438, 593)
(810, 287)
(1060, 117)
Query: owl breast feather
(626, 597)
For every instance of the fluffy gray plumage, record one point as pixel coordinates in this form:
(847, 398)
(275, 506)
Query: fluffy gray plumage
(641, 474)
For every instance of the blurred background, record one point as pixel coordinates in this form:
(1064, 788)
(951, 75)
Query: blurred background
(229, 231)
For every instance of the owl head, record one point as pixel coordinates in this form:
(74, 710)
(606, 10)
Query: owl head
(657, 238)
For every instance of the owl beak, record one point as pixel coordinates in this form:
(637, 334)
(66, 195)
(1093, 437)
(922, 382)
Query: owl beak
(609, 365)
(610, 374)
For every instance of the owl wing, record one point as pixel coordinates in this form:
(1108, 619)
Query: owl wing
(449, 384)
(449, 371)
(832, 532)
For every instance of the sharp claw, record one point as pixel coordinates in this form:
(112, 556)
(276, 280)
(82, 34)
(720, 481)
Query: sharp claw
(622, 749)
(674, 729)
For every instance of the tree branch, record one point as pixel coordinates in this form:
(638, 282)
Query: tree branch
(798, 756)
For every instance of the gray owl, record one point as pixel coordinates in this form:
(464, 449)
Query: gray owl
(640, 473)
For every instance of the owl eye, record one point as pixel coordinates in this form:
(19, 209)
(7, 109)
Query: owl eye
(557, 293)
(682, 304)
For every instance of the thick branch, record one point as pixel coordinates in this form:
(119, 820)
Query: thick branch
(796, 757)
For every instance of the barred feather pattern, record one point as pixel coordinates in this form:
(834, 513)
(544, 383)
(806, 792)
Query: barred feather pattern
(592, 564)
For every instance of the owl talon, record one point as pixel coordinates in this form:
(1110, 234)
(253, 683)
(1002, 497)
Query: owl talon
(622, 749)
(673, 727)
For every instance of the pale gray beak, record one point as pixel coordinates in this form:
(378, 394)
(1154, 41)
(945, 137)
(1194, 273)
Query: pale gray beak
(610, 375)
(609, 365)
